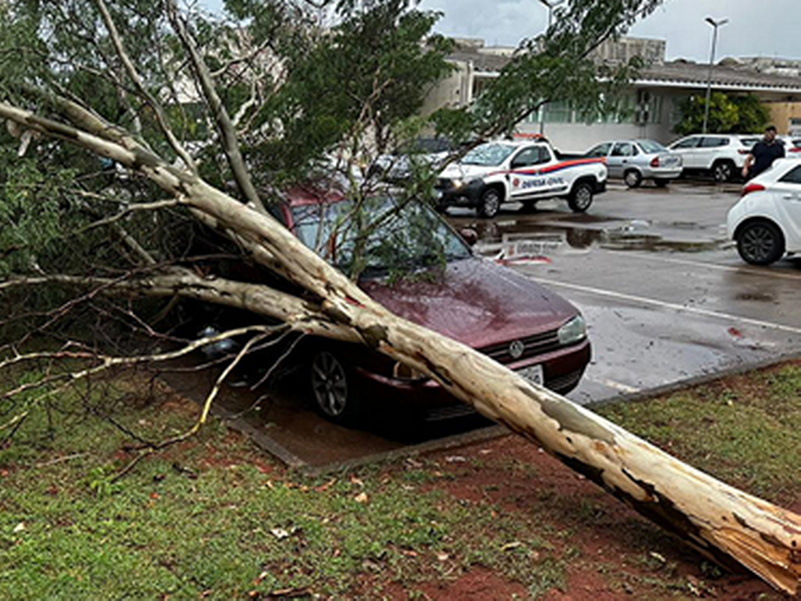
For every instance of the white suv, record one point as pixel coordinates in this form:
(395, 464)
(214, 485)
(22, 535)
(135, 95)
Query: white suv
(722, 155)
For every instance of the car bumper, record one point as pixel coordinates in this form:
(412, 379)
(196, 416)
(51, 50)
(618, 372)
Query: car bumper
(464, 196)
(671, 173)
(561, 370)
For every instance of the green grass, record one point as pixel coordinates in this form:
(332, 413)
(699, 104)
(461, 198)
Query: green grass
(745, 430)
(242, 526)
(233, 523)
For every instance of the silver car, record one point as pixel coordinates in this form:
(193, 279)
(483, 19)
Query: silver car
(636, 160)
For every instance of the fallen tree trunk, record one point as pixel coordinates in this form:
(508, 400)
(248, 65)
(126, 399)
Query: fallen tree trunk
(723, 523)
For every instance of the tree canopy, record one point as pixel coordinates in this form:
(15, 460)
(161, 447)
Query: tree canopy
(728, 114)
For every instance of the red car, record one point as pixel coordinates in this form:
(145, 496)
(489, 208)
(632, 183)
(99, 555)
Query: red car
(416, 266)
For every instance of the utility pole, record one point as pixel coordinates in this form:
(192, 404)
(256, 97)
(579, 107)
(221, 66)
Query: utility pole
(551, 4)
(715, 25)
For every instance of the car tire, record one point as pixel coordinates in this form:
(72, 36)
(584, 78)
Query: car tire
(580, 197)
(632, 178)
(490, 203)
(661, 183)
(723, 171)
(333, 390)
(760, 243)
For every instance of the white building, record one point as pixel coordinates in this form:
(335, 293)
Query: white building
(651, 106)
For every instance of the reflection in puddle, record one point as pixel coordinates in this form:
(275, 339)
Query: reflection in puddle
(523, 239)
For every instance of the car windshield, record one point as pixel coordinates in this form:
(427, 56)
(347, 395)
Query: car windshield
(488, 155)
(384, 237)
(650, 147)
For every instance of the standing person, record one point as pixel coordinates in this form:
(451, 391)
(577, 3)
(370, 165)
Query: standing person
(763, 154)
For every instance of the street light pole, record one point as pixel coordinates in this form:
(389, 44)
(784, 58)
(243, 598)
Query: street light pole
(715, 25)
(551, 4)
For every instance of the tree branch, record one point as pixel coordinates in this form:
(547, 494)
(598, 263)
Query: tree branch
(161, 117)
(224, 124)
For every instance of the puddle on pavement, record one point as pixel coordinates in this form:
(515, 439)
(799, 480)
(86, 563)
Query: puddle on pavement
(514, 239)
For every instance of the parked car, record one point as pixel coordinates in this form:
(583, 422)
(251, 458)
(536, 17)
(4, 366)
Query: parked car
(792, 145)
(721, 155)
(636, 160)
(524, 171)
(766, 222)
(398, 166)
(420, 269)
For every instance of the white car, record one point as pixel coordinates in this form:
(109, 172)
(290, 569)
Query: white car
(766, 222)
(722, 155)
(792, 146)
(636, 160)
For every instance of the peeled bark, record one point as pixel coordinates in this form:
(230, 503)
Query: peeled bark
(723, 523)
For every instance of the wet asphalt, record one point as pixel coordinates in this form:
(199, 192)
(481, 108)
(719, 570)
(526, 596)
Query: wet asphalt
(667, 299)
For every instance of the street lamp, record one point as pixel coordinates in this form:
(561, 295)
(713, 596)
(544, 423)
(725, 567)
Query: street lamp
(551, 4)
(715, 25)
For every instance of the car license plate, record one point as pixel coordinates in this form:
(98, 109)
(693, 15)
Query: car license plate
(533, 374)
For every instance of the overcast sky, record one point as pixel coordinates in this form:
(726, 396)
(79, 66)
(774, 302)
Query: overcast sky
(756, 27)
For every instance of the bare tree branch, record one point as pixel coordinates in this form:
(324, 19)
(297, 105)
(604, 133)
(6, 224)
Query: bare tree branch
(224, 123)
(161, 117)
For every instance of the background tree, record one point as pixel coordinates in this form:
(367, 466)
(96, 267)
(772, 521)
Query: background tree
(741, 114)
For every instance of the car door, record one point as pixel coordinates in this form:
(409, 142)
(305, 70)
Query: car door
(710, 149)
(787, 197)
(526, 181)
(622, 153)
(687, 148)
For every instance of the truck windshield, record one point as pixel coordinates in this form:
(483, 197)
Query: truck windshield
(383, 237)
(488, 155)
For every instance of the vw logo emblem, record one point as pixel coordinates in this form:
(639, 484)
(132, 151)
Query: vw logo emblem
(516, 349)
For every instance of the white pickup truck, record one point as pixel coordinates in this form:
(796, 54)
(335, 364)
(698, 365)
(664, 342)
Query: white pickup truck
(518, 171)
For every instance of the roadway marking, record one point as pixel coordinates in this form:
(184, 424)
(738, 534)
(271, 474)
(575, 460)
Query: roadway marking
(672, 306)
(745, 269)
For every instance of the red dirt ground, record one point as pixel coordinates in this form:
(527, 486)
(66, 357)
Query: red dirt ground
(613, 541)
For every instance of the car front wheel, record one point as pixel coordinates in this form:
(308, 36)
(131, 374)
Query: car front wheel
(332, 388)
(760, 243)
(490, 203)
(580, 198)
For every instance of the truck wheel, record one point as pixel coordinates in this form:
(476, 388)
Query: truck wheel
(633, 178)
(760, 243)
(490, 203)
(723, 171)
(580, 197)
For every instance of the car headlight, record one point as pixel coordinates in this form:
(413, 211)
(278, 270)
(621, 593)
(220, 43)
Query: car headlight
(458, 183)
(401, 371)
(573, 331)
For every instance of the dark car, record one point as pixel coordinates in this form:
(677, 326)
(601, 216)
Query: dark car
(416, 266)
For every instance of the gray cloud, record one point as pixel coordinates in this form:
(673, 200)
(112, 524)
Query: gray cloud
(756, 28)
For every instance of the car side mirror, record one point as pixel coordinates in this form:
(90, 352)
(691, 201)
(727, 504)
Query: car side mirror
(469, 235)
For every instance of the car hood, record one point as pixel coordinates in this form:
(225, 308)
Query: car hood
(475, 302)
(460, 171)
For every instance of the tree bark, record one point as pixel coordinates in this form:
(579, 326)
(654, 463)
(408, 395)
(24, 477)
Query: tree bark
(724, 524)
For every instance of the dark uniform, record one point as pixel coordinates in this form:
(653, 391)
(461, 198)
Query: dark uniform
(764, 154)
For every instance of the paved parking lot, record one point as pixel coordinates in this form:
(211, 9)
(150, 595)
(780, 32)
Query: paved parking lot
(666, 296)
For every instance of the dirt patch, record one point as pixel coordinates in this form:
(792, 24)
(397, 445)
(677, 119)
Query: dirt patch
(614, 553)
